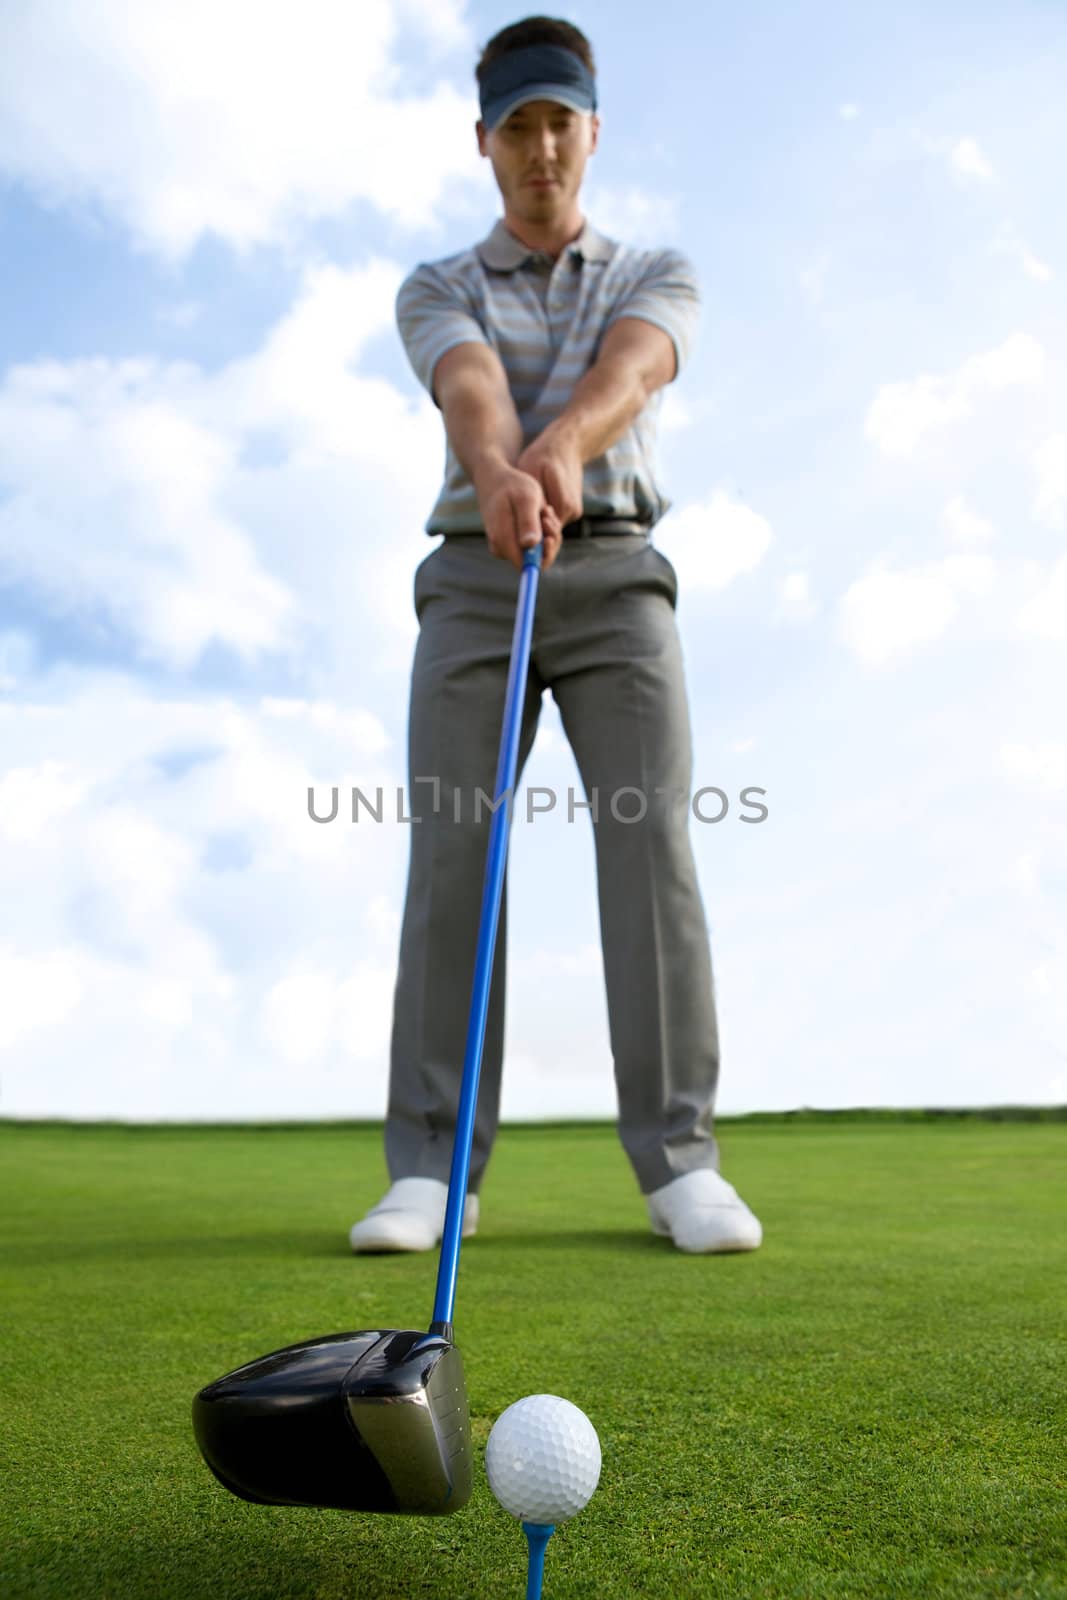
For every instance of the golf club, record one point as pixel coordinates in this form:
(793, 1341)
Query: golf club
(379, 1420)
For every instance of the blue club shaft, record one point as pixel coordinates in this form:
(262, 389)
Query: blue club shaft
(496, 862)
(537, 1536)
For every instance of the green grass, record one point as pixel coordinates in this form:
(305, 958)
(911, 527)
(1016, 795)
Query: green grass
(872, 1405)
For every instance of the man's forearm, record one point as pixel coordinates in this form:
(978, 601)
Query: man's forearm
(602, 408)
(483, 428)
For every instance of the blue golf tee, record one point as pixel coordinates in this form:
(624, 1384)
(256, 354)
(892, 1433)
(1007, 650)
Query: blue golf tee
(537, 1536)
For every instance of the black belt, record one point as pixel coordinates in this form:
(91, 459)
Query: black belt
(588, 527)
(582, 528)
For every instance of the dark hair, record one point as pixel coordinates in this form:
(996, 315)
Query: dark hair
(535, 30)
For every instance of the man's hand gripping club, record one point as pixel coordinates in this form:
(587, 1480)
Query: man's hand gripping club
(543, 489)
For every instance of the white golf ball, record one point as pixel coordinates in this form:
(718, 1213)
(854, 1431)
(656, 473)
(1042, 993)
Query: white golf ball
(542, 1459)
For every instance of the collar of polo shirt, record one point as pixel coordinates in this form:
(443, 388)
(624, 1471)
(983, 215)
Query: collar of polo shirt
(503, 252)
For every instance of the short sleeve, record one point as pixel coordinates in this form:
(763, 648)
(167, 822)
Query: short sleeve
(667, 293)
(432, 317)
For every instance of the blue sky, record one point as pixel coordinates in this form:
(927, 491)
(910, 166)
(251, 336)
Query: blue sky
(216, 464)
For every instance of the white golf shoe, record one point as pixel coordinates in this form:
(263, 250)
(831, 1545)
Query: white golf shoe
(703, 1214)
(410, 1217)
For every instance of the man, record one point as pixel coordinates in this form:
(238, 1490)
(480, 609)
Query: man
(545, 347)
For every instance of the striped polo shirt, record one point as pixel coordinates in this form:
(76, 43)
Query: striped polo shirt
(545, 320)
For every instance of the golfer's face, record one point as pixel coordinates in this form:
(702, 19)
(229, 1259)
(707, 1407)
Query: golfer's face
(541, 140)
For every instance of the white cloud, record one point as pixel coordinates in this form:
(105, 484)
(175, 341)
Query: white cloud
(714, 542)
(795, 603)
(1035, 268)
(963, 525)
(33, 797)
(812, 278)
(637, 215)
(40, 992)
(967, 160)
(1008, 242)
(18, 657)
(848, 111)
(326, 1018)
(103, 449)
(548, 739)
(1023, 874)
(1050, 501)
(675, 413)
(180, 545)
(131, 952)
(382, 920)
(887, 616)
(132, 875)
(581, 961)
(1043, 764)
(902, 413)
(1044, 615)
(1046, 991)
(358, 729)
(240, 120)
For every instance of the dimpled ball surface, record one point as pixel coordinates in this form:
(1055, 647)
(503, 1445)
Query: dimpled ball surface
(542, 1459)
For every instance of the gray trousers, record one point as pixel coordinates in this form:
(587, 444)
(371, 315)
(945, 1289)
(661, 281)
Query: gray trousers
(605, 642)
